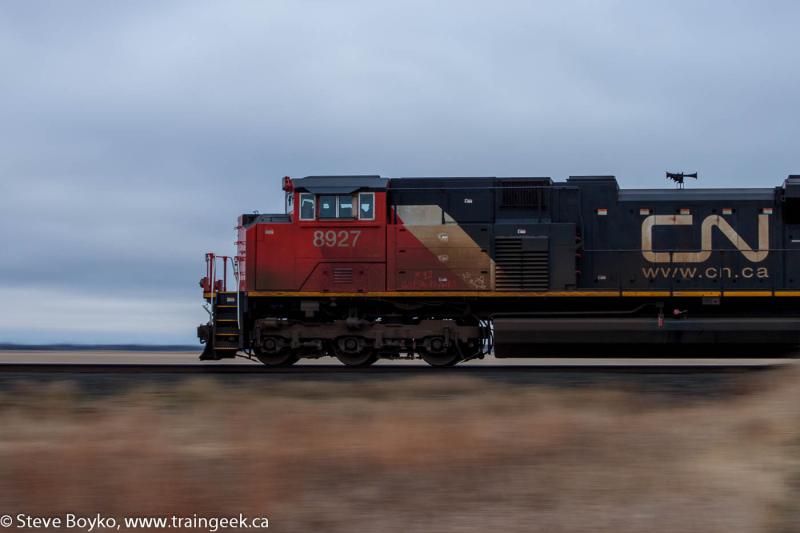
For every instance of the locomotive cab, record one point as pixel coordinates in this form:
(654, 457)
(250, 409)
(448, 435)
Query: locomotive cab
(331, 239)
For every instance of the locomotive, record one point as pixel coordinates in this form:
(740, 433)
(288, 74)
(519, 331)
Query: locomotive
(452, 269)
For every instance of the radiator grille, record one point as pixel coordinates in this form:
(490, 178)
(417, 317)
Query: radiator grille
(343, 275)
(529, 194)
(519, 269)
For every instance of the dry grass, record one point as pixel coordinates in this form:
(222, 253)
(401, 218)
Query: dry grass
(432, 454)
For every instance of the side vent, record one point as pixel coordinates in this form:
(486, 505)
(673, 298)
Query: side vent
(343, 275)
(522, 264)
(526, 193)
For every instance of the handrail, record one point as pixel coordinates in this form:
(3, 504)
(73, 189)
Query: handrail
(210, 283)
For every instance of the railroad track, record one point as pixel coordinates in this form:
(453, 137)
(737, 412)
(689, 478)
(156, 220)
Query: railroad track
(679, 381)
(217, 368)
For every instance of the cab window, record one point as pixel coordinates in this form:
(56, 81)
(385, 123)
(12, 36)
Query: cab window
(327, 206)
(366, 206)
(306, 206)
(289, 202)
(336, 206)
(344, 205)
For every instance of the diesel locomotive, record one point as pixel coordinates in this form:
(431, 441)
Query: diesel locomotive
(451, 269)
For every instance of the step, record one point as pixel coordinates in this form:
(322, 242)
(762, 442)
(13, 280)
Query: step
(226, 346)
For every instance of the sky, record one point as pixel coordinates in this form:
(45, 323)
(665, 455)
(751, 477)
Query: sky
(133, 133)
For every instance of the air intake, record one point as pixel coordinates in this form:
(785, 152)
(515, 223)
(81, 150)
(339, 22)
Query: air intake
(521, 263)
(525, 193)
(343, 275)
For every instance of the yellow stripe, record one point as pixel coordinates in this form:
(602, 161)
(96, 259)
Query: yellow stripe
(581, 294)
(645, 293)
(439, 294)
(696, 293)
(515, 294)
(747, 293)
(226, 306)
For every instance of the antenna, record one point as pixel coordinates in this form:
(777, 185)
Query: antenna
(678, 177)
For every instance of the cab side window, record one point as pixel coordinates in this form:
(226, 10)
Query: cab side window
(306, 206)
(337, 206)
(345, 206)
(366, 206)
(290, 202)
(327, 206)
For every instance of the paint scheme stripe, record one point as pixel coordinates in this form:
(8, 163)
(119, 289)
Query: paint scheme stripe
(512, 294)
(438, 294)
(747, 293)
(645, 293)
(436, 240)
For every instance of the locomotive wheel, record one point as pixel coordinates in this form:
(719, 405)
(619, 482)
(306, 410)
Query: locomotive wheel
(445, 358)
(441, 360)
(435, 352)
(347, 351)
(365, 358)
(279, 359)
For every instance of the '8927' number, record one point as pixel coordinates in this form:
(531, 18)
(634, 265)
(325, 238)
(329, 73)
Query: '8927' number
(339, 239)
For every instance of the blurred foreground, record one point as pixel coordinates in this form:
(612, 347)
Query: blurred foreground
(437, 453)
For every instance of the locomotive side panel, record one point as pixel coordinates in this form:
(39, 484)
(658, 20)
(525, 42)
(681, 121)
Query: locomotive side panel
(272, 253)
(441, 234)
(355, 252)
(341, 276)
(680, 240)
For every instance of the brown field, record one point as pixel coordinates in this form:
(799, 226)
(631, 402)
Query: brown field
(439, 453)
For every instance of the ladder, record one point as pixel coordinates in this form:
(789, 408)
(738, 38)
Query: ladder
(226, 323)
(222, 334)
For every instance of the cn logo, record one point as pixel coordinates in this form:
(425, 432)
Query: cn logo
(709, 223)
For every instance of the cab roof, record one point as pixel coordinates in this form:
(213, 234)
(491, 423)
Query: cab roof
(340, 184)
